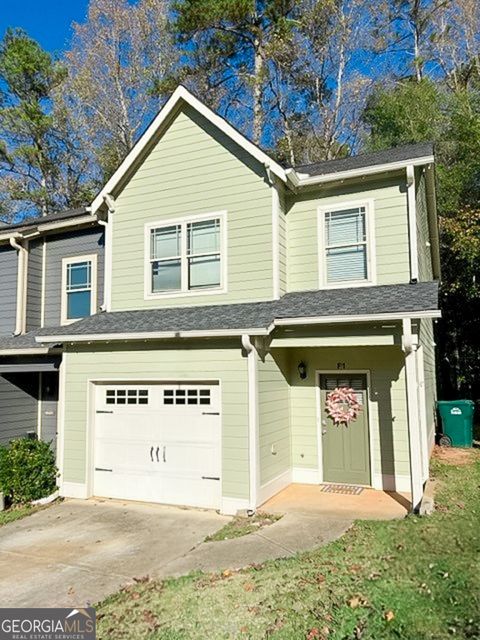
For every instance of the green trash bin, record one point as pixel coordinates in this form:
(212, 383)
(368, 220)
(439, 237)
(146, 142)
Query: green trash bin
(457, 422)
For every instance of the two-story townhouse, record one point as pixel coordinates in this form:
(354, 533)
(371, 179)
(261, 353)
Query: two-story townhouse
(51, 273)
(239, 295)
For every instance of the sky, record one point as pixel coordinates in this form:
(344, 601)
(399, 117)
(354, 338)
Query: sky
(48, 21)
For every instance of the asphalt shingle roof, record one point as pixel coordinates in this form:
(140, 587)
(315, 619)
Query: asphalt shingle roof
(401, 298)
(50, 217)
(396, 154)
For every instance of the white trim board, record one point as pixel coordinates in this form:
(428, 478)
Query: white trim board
(274, 486)
(301, 475)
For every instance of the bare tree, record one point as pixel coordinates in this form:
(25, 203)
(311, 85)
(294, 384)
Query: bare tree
(116, 57)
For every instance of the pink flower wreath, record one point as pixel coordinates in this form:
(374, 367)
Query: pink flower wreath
(342, 405)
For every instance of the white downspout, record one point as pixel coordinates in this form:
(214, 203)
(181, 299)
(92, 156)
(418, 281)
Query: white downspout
(412, 223)
(21, 288)
(253, 461)
(414, 434)
(107, 271)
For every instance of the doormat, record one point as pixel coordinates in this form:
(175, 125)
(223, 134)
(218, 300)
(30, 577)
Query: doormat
(345, 489)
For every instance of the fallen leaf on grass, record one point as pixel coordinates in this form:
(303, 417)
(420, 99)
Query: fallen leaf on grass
(357, 601)
(389, 615)
(354, 568)
(248, 586)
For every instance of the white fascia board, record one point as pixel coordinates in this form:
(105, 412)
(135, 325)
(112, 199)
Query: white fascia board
(151, 335)
(34, 231)
(181, 93)
(25, 352)
(305, 180)
(285, 322)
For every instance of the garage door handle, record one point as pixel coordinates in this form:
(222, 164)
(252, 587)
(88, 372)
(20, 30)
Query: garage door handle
(151, 454)
(210, 413)
(164, 454)
(100, 469)
(104, 412)
(210, 478)
(156, 453)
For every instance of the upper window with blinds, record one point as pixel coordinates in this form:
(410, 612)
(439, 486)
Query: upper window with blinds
(185, 257)
(347, 246)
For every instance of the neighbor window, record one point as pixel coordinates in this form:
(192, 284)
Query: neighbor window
(346, 245)
(186, 256)
(78, 288)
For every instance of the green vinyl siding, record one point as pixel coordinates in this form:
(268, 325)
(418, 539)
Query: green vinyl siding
(273, 416)
(197, 361)
(391, 231)
(388, 415)
(425, 271)
(427, 340)
(194, 169)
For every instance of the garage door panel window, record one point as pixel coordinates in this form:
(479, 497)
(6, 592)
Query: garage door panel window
(186, 257)
(126, 396)
(186, 396)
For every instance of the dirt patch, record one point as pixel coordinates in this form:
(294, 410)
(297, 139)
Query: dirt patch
(451, 455)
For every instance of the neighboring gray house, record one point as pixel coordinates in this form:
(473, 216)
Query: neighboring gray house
(51, 273)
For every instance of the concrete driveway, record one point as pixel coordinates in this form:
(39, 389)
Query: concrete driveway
(78, 552)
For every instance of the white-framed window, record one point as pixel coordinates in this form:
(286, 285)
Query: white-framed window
(186, 256)
(347, 245)
(79, 287)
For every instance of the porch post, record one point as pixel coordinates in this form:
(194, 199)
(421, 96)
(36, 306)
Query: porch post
(414, 430)
(253, 431)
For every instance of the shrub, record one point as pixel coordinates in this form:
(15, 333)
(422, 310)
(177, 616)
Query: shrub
(27, 470)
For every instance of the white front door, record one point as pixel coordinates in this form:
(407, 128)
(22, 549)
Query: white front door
(158, 443)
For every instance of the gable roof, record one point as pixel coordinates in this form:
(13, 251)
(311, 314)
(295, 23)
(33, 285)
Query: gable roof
(50, 222)
(304, 307)
(179, 96)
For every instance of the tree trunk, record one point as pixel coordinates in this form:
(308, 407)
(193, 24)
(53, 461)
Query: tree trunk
(257, 92)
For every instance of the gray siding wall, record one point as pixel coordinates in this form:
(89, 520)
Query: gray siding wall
(18, 405)
(8, 289)
(34, 284)
(74, 243)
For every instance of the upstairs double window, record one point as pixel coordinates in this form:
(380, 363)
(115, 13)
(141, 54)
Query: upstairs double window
(186, 256)
(346, 245)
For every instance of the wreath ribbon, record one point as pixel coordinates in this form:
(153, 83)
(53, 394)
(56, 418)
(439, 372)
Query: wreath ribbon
(342, 405)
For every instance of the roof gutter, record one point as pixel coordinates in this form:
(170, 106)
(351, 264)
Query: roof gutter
(16, 243)
(297, 179)
(35, 230)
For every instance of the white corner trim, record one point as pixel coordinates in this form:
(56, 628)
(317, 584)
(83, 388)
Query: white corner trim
(231, 506)
(44, 283)
(185, 292)
(276, 240)
(93, 284)
(62, 379)
(74, 490)
(274, 486)
(412, 222)
(369, 206)
(305, 476)
(107, 259)
(181, 94)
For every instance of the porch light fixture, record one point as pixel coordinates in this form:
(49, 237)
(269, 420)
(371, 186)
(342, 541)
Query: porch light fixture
(302, 370)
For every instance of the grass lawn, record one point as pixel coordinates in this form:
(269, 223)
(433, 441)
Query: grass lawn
(409, 579)
(242, 526)
(15, 513)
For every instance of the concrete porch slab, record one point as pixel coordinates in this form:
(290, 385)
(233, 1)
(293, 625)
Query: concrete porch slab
(369, 505)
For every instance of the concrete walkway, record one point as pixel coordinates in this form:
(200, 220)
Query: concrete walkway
(78, 552)
(293, 533)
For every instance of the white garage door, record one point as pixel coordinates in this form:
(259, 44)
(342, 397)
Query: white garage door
(158, 443)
